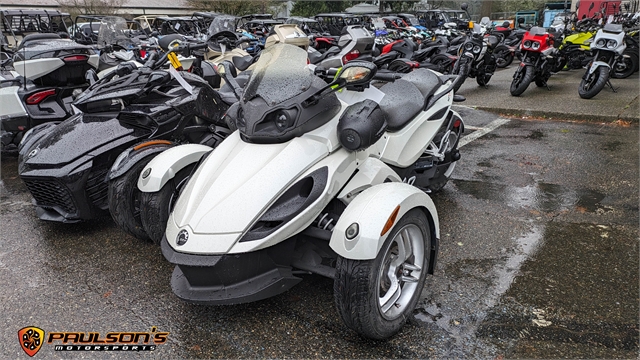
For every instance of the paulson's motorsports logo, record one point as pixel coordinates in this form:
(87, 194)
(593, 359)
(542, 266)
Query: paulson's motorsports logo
(31, 339)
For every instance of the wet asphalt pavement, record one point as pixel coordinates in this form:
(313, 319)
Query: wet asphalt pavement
(538, 259)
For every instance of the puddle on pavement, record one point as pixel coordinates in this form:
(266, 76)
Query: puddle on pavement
(10, 182)
(576, 297)
(540, 196)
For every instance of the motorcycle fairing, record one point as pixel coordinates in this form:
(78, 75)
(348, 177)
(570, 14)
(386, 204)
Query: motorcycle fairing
(233, 185)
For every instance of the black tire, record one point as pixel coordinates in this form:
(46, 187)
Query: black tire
(483, 80)
(627, 67)
(504, 58)
(461, 69)
(559, 65)
(358, 285)
(157, 206)
(439, 61)
(124, 200)
(521, 82)
(594, 83)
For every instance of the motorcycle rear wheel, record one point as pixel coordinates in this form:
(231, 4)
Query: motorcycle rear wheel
(628, 67)
(503, 58)
(521, 82)
(594, 83)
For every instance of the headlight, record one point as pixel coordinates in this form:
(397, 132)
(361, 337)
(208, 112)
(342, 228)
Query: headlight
(535, 45)
(468, 46)
(526, 44)
(477, 48)
(611, 44)
(601, 43)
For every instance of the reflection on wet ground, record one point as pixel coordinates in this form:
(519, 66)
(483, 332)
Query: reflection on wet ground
(580, 288)
(540, 196)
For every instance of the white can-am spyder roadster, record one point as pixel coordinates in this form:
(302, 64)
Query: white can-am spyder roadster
(311, 183)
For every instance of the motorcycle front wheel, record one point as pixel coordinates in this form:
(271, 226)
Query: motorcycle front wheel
(593, 83)
(155, 207)
(522, 80)
(483, 79)
(124, 200)
(376, 297)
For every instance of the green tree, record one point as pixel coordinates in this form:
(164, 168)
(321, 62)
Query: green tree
(311, 8)
(397, 6)
(232, 7)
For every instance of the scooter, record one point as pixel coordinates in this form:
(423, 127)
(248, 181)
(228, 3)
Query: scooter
(313, 183)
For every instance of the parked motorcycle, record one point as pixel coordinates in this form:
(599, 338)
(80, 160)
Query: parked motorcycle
(476, 58)
(609, 59)
(129, 115)
(538, 59)
(38, 88)
(311, 183)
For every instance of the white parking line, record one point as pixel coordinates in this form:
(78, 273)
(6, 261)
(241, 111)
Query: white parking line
(482, 131)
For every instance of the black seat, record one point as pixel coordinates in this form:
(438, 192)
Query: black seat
(242, 62)
(407, 96)
(226, 93)
(166, 40)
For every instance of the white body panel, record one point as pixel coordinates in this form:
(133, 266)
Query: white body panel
(94, 60)
(165, 166)
(371, 210)
(243, 177)
(404, 147)
(33, 69)
(10, 104)
(238, 182)
(618, 38)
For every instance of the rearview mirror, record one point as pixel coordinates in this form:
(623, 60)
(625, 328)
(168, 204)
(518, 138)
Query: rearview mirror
(464, 6)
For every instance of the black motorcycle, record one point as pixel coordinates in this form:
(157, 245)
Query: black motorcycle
(91, 161)
(476, 59)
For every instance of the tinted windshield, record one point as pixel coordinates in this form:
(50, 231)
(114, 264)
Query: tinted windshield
(280, 74)
(222, 23)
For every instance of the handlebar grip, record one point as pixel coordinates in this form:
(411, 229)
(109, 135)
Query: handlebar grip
(389, 77)
(197, 46)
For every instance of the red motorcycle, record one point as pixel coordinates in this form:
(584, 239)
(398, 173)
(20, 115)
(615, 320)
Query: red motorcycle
(538, 58)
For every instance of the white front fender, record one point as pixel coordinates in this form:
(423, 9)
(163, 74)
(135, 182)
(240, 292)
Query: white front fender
(164, 167)
(595, 65)
(371, 209)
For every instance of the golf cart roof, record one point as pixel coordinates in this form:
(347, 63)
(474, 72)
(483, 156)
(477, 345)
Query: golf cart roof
(25, 12)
